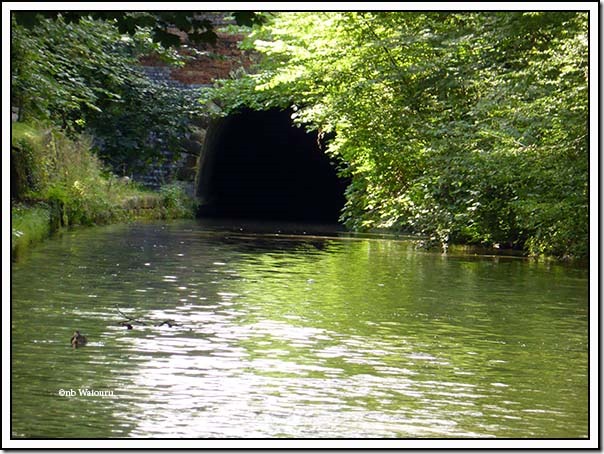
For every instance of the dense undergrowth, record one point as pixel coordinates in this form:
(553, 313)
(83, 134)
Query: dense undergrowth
(57, 181)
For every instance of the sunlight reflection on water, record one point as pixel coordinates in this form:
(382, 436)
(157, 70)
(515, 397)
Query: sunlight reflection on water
(294, 338)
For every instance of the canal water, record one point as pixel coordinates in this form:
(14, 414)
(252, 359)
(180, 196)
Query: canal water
(247, 332)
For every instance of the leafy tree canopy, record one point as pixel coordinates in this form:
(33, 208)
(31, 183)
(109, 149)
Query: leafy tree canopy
(164, 26)
(468, 127)
(83, 76)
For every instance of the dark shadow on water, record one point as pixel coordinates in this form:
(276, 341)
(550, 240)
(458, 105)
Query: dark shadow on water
(273, 235)
(271, 227)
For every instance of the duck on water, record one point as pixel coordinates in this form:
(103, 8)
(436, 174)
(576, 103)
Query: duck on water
(78, 340)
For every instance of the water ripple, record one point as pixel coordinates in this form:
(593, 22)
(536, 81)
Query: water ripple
(292, 337)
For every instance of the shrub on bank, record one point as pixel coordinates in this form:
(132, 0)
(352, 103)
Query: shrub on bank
(57, 181)
(175, 201)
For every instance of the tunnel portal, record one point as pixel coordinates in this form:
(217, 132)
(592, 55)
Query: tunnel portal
(257, 165)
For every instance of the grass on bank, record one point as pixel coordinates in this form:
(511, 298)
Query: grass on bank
(30, 225)
(57, 181)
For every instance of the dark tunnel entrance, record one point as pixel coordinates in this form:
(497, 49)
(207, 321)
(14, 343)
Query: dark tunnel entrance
(257, 165)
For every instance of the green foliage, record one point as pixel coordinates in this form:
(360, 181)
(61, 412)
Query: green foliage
(30, 225)
(70, 186)
(84, 76)
(176, 202)
(466, 127)
(28, 167)
(64, 173)
(151, 117)
(62, 72)
(164, 26)
(76, 185)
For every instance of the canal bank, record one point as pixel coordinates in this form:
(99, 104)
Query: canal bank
(57, 182)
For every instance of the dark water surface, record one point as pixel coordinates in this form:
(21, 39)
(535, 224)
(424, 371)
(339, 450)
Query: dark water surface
(292, 336)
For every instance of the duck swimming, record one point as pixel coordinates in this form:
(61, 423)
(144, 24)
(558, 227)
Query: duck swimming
(78, 340)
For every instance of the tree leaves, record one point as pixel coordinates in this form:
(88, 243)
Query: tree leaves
(83, 76)
(165, 38)
(166, 26)
(449, 123)
(248, 18)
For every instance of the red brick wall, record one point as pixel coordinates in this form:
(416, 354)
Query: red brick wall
(215, 62)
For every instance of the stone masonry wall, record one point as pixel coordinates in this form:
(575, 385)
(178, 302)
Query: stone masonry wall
(207, 64)
(170, 169)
